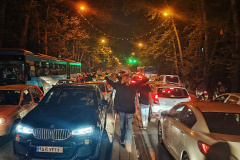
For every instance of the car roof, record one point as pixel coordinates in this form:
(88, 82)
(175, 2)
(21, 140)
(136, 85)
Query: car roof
(16, 87)
(75, 85)
(95, 82)
(237, 94)
(215, 107)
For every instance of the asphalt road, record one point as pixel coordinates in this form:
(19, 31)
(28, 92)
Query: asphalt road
(161, 153)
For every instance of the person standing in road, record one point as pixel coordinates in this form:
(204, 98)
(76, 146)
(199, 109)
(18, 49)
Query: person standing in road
(126, 107)
(145, 99)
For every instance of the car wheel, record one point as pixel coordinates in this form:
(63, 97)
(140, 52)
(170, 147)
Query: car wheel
(160, 139)
(185, 157)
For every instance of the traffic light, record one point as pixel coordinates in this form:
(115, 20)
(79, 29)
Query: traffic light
(132, 61)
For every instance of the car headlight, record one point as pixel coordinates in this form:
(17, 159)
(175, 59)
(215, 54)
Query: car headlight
(2, 121)
(24, 129)
(82, 131)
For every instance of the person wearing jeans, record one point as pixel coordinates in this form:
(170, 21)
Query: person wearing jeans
(126, 107)
(145, 100)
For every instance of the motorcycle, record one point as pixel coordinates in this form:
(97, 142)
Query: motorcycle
(201, 95)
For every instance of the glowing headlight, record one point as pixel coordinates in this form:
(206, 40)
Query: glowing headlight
(2, 120)
(83, 131)
(23, 129)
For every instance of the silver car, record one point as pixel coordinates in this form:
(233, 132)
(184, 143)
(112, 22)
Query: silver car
(233, 98)
(165, 98)
(191, 130)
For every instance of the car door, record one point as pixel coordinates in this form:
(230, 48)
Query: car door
(27, 103)
(101, 108)
(173, 116)
(181, 130)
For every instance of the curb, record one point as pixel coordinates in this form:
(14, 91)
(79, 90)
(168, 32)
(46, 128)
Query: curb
(149, 145)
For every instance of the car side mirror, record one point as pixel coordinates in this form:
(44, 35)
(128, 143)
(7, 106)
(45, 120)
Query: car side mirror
(104, 102)
(37, 100)
(164, 113)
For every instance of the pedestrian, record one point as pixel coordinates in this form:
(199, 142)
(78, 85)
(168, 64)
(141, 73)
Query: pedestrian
(145, 100)
(126, 107)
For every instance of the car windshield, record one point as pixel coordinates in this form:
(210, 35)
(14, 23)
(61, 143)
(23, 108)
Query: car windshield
(9, 97)
(172, 93)
(101, 86)
(223, 123)
(70, 97)
(172, 79)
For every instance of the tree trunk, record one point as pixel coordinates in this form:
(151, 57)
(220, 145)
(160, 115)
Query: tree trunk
(236, 54)
(46, 30)
(2, 20)
(23, 38)
(206, 44)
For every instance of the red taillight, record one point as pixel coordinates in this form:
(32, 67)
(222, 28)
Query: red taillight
(156, 97)
(205, 92)
(189, 98)
(203, 147)
(133, 81)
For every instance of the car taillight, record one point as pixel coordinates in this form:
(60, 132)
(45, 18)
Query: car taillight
(205, 92)
(189, 98)
(155, 99)
(203, 147)
(132, 81)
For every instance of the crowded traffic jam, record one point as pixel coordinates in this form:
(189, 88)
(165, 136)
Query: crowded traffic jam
(120, 80)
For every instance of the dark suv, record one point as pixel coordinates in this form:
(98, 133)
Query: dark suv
(67, 123)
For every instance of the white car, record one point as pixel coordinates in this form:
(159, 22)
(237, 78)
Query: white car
(103, 87)
(191, 130)
(170, 80)
(165, 98)
(228, 98)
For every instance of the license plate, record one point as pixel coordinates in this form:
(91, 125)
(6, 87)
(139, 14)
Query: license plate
(50, 149)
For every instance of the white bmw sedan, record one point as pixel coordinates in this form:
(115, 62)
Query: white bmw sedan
(190, 129)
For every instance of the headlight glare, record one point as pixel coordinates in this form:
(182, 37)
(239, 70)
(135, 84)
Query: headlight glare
(83, 131)
(24, 129)
(2, 120)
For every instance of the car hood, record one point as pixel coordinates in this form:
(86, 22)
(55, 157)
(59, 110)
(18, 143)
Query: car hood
(61, 118)
(5, 110)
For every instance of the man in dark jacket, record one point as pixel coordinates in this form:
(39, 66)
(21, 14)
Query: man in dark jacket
(126, 107)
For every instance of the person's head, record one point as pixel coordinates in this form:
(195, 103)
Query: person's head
(125, 79)
(219, 83)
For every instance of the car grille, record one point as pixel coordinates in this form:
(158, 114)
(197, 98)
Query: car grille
(56, 134)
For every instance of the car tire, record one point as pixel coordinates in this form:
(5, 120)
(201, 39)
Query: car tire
(185, 157)
(160, 138)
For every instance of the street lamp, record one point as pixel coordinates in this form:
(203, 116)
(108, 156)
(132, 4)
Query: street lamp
(133, 54)
(140, 44)
(103, 41)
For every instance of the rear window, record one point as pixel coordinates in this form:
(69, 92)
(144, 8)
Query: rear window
(172, 93)
(223, 123)
(172, 79)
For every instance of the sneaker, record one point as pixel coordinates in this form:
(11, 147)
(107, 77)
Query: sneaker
(128, 146)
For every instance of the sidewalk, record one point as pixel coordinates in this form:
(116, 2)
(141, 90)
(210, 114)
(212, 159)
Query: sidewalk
(118, 152)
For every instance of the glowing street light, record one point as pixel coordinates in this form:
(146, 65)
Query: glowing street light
(82, 8)
(103, 41)
(140, 44)
(133, 53)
